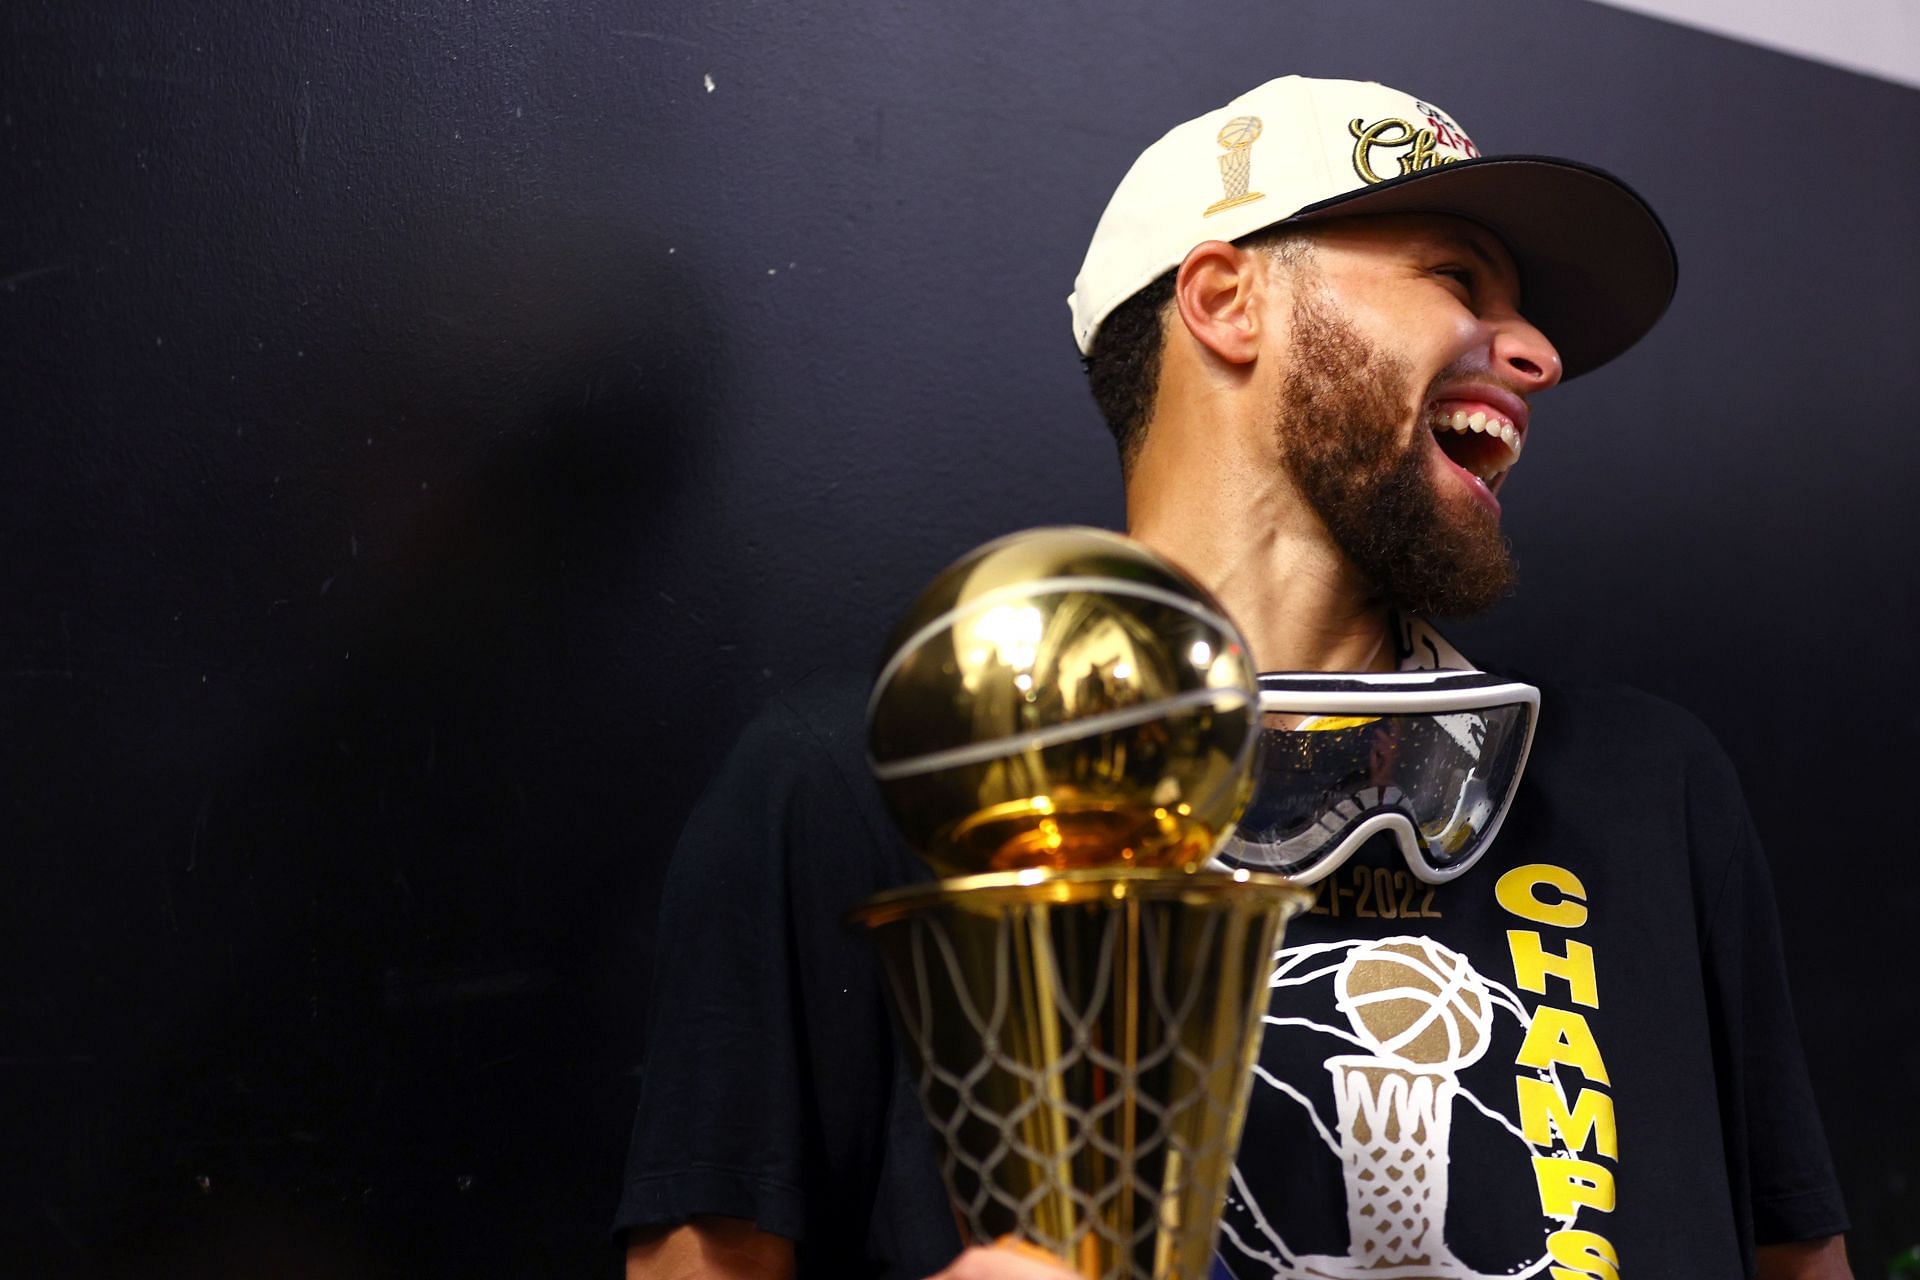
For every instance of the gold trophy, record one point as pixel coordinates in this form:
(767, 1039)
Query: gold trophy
(1065, 728)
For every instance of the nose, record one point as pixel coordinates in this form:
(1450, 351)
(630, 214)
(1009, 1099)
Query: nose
(1524, 353)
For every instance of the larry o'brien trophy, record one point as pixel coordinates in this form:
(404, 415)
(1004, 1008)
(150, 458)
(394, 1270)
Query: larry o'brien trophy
(1065, 728)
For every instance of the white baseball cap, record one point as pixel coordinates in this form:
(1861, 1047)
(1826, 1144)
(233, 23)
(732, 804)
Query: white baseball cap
(1597, 268)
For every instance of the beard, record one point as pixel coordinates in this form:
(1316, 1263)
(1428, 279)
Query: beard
(1343, 407)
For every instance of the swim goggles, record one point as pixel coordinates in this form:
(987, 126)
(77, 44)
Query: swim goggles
(1433, 757)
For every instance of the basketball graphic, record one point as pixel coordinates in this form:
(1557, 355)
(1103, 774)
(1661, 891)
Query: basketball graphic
(1413, 999)
(1413, 1045)
(1240, 131)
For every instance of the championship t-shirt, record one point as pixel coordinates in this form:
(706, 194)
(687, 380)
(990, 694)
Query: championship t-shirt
(1578, 1059)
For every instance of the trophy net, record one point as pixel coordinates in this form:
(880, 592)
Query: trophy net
(1085, 1046)
(1236, 168)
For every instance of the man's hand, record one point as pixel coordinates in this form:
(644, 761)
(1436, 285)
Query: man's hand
(1007, 1259)
(729, 1249)
(1809, 1260)
(709, 1249)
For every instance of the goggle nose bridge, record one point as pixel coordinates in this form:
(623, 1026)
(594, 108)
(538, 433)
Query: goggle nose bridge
(1406, 834)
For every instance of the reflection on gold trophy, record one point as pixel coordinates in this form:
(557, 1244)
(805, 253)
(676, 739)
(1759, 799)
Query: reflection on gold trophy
(1065, 728)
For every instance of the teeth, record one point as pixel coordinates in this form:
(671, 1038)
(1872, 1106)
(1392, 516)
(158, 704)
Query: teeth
(1486, 424)
(1478, 421)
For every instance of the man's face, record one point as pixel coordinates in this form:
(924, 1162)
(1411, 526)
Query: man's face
(1404, 402)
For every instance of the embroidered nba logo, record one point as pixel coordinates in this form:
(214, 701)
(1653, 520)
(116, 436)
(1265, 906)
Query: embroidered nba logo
(1237, 136)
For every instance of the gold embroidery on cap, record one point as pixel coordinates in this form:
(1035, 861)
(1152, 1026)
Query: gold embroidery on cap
(1416, 145)
(1237, 136)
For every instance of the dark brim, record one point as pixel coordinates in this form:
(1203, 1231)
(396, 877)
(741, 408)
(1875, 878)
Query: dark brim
(1597, 268)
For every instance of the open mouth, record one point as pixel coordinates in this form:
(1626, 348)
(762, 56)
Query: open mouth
(1475, 438)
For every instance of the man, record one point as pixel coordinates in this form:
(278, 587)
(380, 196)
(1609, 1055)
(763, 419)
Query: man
(1317, 320)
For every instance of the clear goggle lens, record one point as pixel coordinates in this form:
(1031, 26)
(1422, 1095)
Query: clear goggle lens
(1326, 781)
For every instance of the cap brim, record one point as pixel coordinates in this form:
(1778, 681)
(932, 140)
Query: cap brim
(1597, 268)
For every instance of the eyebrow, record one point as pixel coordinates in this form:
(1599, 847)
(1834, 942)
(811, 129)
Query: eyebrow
(1472, 245)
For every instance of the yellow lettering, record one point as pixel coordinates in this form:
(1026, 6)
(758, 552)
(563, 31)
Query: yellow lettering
(1565, 1185)
(1589, 1120)
(1560, 1036)
(1381, 133)
(1532, 963)
(1516, 891)
(1550, 895)
(1590, 1252)
(1593, 1254)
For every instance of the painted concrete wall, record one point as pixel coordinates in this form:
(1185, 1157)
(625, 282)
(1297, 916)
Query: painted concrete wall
(434, 428)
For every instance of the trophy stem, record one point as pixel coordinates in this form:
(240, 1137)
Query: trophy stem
(1085, 1041)
(1045, 1125)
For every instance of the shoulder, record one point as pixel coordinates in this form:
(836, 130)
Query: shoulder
(824, 713)
(1619, 709)
(1644, 779)
(797, 785)
(812, 731)
(1634, 730)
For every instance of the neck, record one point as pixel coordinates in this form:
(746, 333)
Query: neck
(1259, 548)
(1298, 611)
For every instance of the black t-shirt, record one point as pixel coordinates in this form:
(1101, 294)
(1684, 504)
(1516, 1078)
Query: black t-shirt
(1587, 1036)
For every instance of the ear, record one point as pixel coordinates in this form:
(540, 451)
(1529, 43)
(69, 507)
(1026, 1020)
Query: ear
(1218, 290)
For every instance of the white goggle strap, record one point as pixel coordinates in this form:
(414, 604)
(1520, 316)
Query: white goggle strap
(1388, 700)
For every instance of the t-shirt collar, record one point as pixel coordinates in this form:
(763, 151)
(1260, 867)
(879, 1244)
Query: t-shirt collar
(1418, 647)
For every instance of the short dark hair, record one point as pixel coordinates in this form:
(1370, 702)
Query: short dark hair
(1123, 369)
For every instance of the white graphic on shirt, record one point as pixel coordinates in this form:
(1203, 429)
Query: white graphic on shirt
(1418, 1014)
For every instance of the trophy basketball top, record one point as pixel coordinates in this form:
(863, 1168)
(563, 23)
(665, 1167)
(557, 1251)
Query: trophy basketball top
(1241, 131)
(1064, 698)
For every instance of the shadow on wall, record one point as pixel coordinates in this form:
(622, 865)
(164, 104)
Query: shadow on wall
(352, 1044)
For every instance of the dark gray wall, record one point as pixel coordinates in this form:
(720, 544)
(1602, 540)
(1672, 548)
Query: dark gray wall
(433, 428)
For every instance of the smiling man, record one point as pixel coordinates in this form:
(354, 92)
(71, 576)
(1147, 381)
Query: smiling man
(1349, 399)
(1317, 320)
(1308, 306)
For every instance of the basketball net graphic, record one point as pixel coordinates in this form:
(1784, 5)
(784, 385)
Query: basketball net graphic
(1238, 136)
(1426, 1014)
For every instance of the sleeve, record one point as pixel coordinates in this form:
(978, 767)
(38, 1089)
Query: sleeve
(1777, 1160)
(767, 1042)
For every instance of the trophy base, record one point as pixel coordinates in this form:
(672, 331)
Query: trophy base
(1085, 1043)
